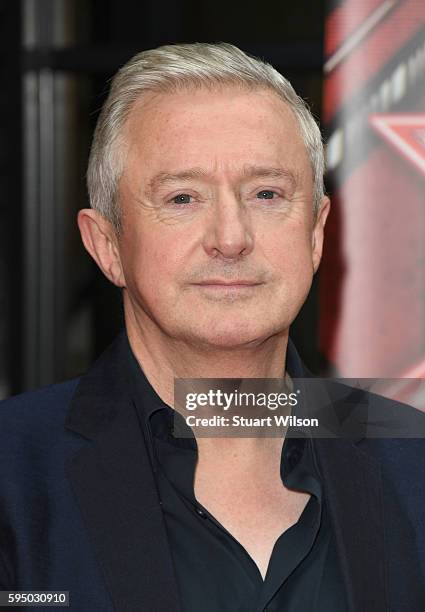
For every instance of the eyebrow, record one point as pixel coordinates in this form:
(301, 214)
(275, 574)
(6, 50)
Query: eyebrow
(248, 172)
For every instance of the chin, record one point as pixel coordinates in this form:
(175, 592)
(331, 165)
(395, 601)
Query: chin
(227, 335)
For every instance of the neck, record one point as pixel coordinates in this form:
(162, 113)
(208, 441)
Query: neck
(163, 358)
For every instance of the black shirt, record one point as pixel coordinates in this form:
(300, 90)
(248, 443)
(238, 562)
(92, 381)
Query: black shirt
(214, 572)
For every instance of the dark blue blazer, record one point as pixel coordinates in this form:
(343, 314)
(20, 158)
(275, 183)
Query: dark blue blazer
(79, 509)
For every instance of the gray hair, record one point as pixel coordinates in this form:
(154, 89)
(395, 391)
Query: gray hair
(171, 68)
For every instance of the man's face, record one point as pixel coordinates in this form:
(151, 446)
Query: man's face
(218, 243)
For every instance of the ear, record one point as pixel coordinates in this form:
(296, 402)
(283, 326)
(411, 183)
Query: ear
(99, 239)
(318, 231)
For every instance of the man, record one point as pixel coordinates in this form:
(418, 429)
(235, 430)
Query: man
(206, 186)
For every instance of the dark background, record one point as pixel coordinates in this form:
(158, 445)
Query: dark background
(56, 57)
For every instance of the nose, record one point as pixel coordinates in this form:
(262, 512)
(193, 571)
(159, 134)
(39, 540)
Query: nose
(229, 233)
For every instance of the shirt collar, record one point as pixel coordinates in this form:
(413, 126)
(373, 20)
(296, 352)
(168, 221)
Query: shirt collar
(152, 402)
(158, 419)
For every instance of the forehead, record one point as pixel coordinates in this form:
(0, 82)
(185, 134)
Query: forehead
(225, 129)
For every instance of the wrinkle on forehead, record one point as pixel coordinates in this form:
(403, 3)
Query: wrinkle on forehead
(248, 171)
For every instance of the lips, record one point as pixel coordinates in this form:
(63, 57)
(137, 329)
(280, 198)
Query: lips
(227, 283)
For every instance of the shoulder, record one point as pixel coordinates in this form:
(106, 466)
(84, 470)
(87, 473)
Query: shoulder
(44, 397)
(35, 413)
(34, 447)
(389, 432)
(394, 432)
(369, 414)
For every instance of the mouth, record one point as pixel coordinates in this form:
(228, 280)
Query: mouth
(227, 284)
(228, 290)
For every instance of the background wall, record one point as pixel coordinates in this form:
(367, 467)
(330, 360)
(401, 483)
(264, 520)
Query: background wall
(56, 310)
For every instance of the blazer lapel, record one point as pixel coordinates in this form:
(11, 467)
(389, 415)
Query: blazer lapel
(352, 483)
(114, 485)
(353, 492)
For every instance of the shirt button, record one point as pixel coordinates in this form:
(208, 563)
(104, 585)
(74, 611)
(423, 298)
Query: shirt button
(200, 512)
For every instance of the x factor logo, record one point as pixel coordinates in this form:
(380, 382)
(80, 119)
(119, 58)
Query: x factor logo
(405, 133)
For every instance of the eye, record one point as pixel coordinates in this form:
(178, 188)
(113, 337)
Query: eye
(266, 194)
(181, 198)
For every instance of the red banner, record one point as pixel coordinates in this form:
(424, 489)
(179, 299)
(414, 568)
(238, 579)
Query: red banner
(372, 291)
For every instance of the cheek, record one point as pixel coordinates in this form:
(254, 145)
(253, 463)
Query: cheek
(152, 262)
(289, 251)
